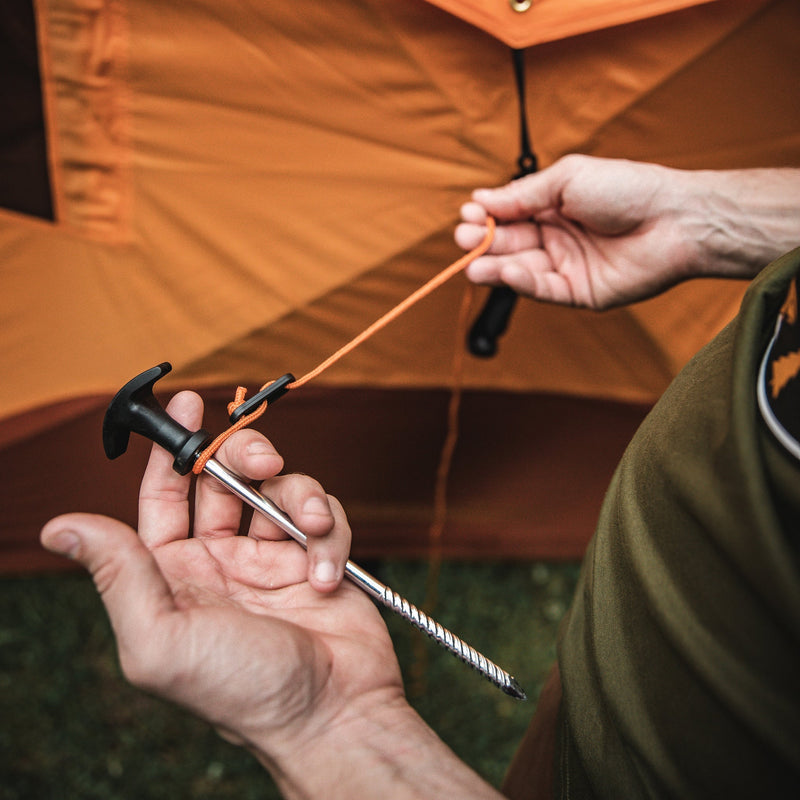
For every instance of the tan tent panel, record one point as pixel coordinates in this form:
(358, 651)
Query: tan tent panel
(239, 189)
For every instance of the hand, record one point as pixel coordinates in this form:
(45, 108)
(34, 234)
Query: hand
(249, 632)
(586, 232)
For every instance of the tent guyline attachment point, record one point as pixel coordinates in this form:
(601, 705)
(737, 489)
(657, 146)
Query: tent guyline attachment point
(269, 394)
(135, 409)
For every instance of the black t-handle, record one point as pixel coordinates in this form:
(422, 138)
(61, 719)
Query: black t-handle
(134, 409)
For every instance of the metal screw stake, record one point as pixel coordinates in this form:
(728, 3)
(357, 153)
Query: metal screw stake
(135, 409)
(372, 586)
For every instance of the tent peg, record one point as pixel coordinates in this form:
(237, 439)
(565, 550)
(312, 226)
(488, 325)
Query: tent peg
(135, 409)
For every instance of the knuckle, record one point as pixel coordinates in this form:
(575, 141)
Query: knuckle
(105, 575)
(304, 484)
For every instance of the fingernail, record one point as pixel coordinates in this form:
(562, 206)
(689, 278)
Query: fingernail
(316, 505)
(325, 572)
(66, 543)
(259, 449)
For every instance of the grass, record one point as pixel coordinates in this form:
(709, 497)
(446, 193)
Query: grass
(73, 728)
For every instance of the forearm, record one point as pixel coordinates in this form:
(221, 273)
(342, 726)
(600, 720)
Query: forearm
(739, 220)
(389, 753)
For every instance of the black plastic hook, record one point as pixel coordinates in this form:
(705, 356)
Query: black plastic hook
(136, 410)
(268, 394)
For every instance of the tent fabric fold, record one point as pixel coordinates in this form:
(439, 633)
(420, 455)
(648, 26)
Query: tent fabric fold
(523, 23)
(239, 189)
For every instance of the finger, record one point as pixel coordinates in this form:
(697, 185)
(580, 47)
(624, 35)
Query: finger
(218, 512)
(262, 566)
(485, 271)
(473, 213)
(127, 577)
(531, 274)
(546, 285)
(302, 499)
(328, 553)
(494, 270)
(511, 238)
(163, 496)
(469, 235)
(525, 197)
(316, 514)
(556, 273)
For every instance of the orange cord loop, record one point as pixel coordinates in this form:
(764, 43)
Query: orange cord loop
(212, 448)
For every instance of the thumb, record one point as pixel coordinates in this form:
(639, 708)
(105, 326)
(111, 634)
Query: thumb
(125, 573)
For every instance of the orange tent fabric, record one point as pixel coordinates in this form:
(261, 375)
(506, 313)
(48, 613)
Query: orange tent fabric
(239, 189)
(522, 23)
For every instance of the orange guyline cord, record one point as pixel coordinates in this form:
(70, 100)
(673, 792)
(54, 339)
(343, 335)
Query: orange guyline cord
(392, 314)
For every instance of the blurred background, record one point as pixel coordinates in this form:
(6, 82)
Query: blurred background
(73, 728)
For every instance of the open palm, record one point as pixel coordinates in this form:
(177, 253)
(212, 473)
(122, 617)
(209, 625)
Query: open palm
(266, 643)
(240, 629)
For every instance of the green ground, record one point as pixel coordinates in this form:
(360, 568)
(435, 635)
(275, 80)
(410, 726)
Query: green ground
(70, 727)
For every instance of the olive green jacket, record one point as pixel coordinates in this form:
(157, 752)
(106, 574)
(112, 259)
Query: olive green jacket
(680, 658)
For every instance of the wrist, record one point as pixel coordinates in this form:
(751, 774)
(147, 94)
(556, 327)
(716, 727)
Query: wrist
(736, 221)
(377, 747)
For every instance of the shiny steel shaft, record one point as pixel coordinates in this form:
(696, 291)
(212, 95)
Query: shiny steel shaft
(371, 585)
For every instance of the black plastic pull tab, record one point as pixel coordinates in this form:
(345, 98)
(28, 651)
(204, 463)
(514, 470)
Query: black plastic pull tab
(269, 394)
(492, 322)
(134, 409)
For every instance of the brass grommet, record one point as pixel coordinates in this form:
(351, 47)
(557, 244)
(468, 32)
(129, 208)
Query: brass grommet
(520, 6)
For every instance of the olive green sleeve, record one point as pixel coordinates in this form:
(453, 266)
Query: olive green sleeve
(680, 658)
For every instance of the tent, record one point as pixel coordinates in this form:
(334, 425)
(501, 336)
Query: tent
(240, 188)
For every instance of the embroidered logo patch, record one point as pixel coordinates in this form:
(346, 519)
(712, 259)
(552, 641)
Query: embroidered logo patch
(779, 376)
